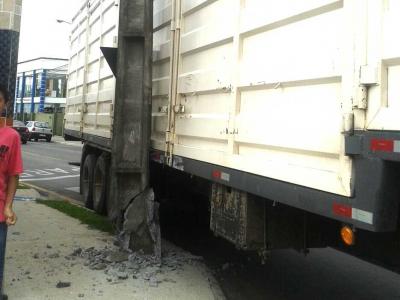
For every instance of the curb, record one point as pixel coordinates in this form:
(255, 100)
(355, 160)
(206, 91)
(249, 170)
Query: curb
(54, 194)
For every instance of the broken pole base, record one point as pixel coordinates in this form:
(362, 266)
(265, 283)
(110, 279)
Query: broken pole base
(141, 226)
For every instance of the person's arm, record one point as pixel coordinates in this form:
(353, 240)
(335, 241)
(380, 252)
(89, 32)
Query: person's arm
(11, 217)
(14, 169)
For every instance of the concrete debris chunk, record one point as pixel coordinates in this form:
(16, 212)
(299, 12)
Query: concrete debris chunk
(122, 275)
(117, 257)
(153, 282)
(77, 252)
(61, 285)
(54, 255)
(98, 266)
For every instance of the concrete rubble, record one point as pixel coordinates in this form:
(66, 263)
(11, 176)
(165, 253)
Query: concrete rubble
(120, 265)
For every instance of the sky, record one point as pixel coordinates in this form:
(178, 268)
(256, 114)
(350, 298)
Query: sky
(41, 35)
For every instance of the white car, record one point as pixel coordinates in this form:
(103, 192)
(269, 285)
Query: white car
(39, 131)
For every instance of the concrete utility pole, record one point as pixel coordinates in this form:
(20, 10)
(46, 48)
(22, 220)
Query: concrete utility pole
(130, 191)
(10, 21)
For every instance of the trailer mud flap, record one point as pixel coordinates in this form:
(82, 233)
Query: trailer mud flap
(237, 217)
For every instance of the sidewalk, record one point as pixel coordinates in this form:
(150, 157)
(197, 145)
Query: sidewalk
(27, 194)
(39, 263)
(60, 140)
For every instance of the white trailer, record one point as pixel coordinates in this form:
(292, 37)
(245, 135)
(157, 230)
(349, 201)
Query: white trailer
(293, 102)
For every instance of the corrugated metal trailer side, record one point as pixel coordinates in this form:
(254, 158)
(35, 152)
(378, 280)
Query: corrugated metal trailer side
(263, 90)
(91, 84)
(293, 101)
(275, 98)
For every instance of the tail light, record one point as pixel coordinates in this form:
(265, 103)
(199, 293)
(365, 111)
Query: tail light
(348, 235)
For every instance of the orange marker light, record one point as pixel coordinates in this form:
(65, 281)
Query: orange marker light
(348, 236)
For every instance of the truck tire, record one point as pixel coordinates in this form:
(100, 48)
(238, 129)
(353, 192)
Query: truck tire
(100, 184)
(87, 180)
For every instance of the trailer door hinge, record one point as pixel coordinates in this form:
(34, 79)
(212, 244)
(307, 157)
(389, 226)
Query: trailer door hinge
(179, 109)
(368, 77)
(361, 97)
(169, 137)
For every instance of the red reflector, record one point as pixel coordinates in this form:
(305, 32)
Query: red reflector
(382, 145)
(216, 174)
(342, 210)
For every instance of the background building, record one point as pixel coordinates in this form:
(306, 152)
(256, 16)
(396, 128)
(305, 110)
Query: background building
(41, 86)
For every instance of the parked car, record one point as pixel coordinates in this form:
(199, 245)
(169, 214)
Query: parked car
(39, 131)
(22, 130)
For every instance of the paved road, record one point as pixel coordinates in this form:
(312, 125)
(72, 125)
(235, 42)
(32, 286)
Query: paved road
(47, 165)
(324, 274)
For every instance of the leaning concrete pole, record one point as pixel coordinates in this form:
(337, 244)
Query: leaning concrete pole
(133, 199)
(10, 21)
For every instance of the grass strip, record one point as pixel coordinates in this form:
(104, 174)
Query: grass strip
(93, 220)
(22, 187)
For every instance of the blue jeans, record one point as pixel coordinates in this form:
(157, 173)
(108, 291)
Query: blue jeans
(3, 239)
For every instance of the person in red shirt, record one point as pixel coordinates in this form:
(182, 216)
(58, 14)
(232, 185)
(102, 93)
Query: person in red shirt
(10, 169)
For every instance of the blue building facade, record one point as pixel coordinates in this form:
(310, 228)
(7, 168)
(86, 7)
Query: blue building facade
(40, 87)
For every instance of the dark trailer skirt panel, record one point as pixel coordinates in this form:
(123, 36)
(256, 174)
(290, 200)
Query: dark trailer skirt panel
(376, 181)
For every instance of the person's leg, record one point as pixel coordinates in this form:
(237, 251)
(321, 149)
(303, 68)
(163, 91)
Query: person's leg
(3, 239)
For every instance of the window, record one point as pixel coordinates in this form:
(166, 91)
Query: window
(56, 86)
(28, 86)
(38, 79)
(19, 87)
(42, 124)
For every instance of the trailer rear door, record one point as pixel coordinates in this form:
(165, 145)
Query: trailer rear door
(383, 65)
(265, 87)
